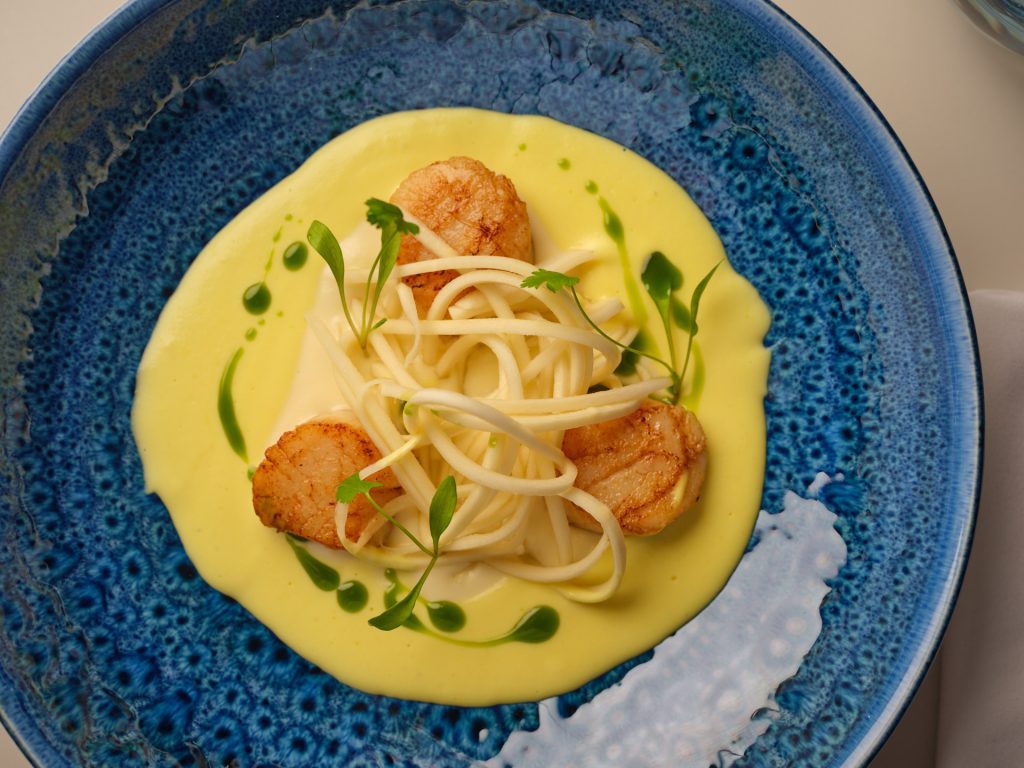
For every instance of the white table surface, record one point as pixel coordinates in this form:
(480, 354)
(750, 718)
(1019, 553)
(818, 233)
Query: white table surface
(954, 98)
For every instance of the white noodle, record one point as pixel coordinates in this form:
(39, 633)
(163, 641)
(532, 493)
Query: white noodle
(408, 390)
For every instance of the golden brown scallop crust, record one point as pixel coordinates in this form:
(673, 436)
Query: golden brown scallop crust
(473, 209)
(635, 463)
(294, 486)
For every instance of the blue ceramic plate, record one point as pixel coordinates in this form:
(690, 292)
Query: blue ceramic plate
(175, 115)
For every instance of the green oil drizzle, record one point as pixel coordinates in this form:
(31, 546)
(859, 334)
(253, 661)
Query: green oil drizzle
(256, 298)
(295, 256)
(277, 235)
(226, 408)
(564, 163)
(536, 625)
(613, 227)
(591, 187)
(353, 596)
(322, 575)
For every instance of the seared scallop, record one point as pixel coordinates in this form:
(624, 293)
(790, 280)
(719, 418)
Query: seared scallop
(294, 486)
(647, 466)
(470, 207)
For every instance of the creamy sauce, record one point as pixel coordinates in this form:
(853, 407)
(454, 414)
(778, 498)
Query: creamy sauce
(202, 479)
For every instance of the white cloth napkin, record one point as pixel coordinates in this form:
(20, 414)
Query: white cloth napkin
(970, 711)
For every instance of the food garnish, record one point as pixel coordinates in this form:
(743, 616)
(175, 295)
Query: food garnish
(389, 220)
(662, 279)
(442, 509)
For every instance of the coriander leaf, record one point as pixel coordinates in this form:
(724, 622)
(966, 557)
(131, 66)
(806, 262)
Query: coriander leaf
(399, 613)
(555, 281)
(442, 508)
(352, 486)
(388, 218)
(383, 215)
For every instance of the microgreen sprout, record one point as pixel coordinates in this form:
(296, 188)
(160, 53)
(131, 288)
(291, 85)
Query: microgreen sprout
(442, 508)
(392, 225)
(662, 280)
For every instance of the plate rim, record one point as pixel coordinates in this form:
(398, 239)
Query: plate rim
(903, 691)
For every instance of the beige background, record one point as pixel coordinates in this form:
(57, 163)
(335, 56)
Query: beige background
(955, 99)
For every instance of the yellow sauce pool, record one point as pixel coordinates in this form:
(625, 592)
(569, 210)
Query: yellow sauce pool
(204, 484)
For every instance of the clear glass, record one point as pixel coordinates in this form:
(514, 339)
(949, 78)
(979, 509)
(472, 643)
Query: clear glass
(1002, 19)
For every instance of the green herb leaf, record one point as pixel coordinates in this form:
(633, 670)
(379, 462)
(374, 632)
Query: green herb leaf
(352, 486)
(694, 306)
(326, 244)
(697, 293)
(399, 613)
(442, 508)
(389, 219)
(383, 215)
(554, 281)
(681, 315)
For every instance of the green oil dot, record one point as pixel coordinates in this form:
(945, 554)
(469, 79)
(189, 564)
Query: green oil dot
(250, 334)
(256, 298)
(322, 575)
(591, 187)
(612, 223)
(295, 256)
(287, 217)
(446, 615)
(352, 596)
(522, 147)
(564, 163)
(536, 626)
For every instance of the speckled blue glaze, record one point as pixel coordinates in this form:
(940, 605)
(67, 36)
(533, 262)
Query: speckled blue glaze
(134, 154)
